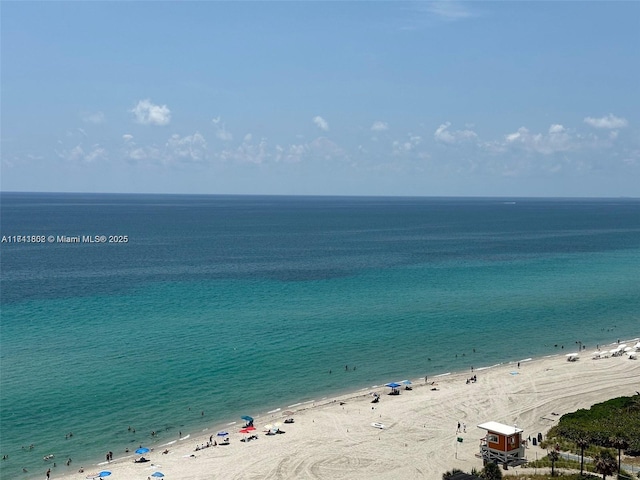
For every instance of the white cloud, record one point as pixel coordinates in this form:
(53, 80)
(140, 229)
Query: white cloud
(609, 122)
(78, 154)
(379, 126)
(325, 149)
(557, 140)
(176, 150)
(444, 135)
(248, 152)
(96, 153)
(295, 153)
(224, 135)
(321, 123)
(406, 146)
(137, 154)
(96, 117)
(221, 130)
(552, 150)
(192, 148)
(147, 113)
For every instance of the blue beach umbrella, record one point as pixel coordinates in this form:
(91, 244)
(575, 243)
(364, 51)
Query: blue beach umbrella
(247, 418)
(105, 473)
(142, 450)
(394, 386)
(157, 474)
(223, 434)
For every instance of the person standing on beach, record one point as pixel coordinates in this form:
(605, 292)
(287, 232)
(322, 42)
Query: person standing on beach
(458, 429)
(48, 473)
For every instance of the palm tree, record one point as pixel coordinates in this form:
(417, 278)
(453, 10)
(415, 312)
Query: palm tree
(605, 464)
(621, 444)
(553, 455)
(582, 442)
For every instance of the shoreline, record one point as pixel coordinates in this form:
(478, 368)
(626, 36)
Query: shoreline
(418, 425)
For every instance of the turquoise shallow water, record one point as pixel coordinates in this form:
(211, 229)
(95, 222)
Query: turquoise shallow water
(237, 305)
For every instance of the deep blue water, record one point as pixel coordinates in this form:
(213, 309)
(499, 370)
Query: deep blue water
(232, 305)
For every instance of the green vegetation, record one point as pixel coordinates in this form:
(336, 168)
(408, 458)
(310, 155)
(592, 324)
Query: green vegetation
(612, 424)
(565, 476)
(490, 472)
(589, 468)
(545, 462)
(451, 473)
(602, 433)
(605, 464)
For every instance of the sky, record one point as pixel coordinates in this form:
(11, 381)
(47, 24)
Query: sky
(479, 98)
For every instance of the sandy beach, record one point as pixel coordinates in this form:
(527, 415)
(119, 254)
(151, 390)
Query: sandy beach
(334, 438)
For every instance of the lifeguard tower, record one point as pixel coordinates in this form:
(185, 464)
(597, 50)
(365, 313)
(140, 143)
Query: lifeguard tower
(502, 444)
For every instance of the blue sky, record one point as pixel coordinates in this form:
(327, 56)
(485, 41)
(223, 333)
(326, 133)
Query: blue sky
(333, 98)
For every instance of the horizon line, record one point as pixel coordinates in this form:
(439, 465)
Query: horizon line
(322, 195)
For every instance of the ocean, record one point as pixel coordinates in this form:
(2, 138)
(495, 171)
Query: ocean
(194, 310)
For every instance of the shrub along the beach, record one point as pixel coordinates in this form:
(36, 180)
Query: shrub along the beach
(613, 424)
(565, 476)
(566, 464)
(528, 475)
(451, 473)
(491, 471)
